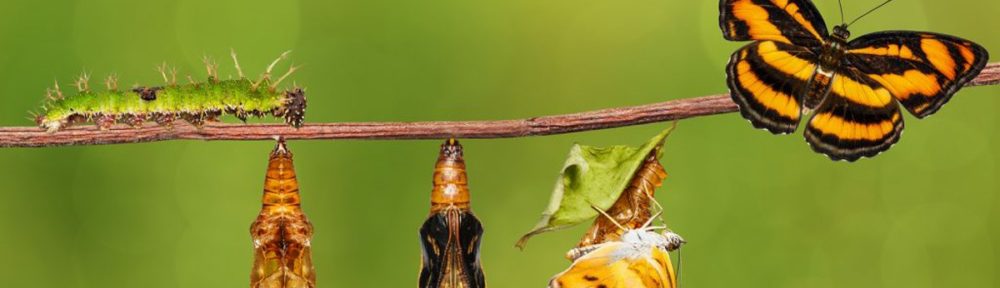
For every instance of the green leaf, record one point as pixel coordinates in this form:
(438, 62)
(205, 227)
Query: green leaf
(592, 176)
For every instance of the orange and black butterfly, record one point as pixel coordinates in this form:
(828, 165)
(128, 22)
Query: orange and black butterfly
(795, 67)
(451, 234)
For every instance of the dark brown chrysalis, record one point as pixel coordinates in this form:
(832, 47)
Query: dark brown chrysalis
(281, 234)
(451, 234)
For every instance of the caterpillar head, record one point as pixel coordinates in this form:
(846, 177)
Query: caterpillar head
(295, 107)
(49, 125)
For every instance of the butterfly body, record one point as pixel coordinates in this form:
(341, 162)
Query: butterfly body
(851, 90)
(638, 260)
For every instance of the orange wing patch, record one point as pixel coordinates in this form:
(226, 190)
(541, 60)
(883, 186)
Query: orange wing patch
(861, 94)
(937, 53)
(910, 83)
(785, 105)
(759, 27)
(893, 50)
(830, 124)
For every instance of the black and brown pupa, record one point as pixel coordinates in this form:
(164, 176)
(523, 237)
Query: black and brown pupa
(451, 235)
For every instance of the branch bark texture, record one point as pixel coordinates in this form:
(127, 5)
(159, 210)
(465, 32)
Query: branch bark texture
(537, 126)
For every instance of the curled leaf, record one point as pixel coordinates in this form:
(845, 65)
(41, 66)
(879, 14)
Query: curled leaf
(592, 177)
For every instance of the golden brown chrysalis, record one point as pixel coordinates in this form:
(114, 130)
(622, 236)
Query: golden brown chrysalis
(281, 234)
(451, 234)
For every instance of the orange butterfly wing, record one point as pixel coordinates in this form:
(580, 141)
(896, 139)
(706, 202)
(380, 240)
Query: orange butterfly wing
(920, 69)
(612, 265)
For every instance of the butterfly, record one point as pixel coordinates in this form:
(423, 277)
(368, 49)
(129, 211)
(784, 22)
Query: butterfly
(638, 260)
(852, 88)
(451, 235)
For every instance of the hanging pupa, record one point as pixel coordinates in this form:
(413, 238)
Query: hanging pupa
(451, 234)
(282, 233)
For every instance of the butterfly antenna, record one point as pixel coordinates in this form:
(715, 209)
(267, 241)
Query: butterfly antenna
(609, 216)
(869, 12)
(841, 3)
(679, 265)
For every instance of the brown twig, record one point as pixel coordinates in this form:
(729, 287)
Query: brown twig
(538, 126)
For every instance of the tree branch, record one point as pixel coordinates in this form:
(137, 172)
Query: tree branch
(538, 126)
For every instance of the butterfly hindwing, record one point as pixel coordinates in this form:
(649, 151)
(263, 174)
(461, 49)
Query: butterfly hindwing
(450, 241)
(921, 69)
(858, 118)
(616, 265)
(789, 21)
(767, 80)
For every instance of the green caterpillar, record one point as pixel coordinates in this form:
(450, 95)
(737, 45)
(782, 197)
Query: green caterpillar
(193, 102)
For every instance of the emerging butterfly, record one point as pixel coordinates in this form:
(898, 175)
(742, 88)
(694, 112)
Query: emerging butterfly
(638, 260)
(632, 210)
(851, 88)
(451, 234)
(282, 233)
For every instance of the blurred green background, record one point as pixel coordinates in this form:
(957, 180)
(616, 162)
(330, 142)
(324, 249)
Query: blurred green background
(758, 210)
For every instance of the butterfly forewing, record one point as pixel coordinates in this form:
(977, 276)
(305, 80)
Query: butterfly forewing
(922, 70)
(788, 21)
(768, 80)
